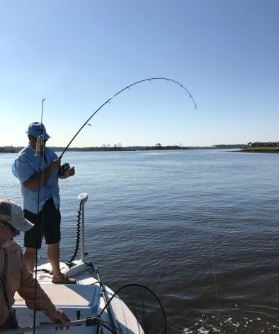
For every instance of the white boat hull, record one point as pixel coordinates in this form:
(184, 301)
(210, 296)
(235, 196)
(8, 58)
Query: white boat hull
(79, 301)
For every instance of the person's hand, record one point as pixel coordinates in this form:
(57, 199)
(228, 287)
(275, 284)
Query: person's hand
(66, 171)
(59, 317)
(72, 171)
(55, 165)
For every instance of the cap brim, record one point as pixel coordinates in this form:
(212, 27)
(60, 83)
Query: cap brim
(45, 136)
(23, 225)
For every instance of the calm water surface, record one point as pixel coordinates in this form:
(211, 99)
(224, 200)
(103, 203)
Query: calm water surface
(199, 227)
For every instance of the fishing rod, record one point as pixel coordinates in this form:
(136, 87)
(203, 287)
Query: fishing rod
(38, 150)
(40, 153)
(118, 93)
(40, 141)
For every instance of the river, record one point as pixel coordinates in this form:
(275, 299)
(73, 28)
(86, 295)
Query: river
(198, 227)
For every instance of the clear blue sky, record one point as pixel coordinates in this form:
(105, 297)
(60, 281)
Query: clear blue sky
(76, 54)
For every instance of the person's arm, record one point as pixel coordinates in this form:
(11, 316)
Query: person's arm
(40, 178)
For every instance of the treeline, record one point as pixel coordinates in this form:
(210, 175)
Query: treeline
(16, 149)
(249, 147)
(227, 146)
(262, 147)
(264, 144)
(125, 148)
(10, 149)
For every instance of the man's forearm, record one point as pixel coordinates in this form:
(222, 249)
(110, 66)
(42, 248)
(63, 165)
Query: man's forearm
(38, 179)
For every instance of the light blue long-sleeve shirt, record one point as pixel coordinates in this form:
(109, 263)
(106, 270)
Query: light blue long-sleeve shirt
(28, 164)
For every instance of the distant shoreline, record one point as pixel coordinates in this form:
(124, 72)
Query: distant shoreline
(238, 147)
(261, 149)
(16, 149)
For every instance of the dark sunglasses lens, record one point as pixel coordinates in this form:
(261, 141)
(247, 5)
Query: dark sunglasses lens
(12, 228)
(9, 226)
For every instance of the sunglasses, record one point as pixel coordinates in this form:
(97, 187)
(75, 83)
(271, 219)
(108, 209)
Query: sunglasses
(9, 226)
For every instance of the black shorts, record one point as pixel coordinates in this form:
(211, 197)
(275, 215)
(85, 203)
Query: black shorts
(46, 224)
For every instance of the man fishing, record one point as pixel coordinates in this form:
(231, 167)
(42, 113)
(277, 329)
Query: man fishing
(14, 276)
(38, 169)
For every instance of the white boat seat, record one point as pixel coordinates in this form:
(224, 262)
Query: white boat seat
(67, 296)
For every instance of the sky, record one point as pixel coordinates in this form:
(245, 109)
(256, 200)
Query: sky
(78, 53)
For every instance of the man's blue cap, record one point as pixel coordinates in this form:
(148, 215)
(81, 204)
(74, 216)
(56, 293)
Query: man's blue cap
(37, 129)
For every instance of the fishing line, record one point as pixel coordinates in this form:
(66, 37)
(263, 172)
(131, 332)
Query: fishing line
(213, 264)
(118, 93)
(39, 146)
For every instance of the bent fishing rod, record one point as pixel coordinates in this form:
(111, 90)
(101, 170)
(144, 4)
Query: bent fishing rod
(118, 93)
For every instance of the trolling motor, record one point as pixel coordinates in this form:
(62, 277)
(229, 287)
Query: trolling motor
(82, 199)
(80, 230)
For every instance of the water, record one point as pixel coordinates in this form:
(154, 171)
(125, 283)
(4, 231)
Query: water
(199, 227)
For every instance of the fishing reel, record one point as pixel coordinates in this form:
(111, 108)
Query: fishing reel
(64, 169)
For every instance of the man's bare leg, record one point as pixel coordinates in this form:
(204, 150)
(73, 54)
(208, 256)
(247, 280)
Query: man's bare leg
(53, 253)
